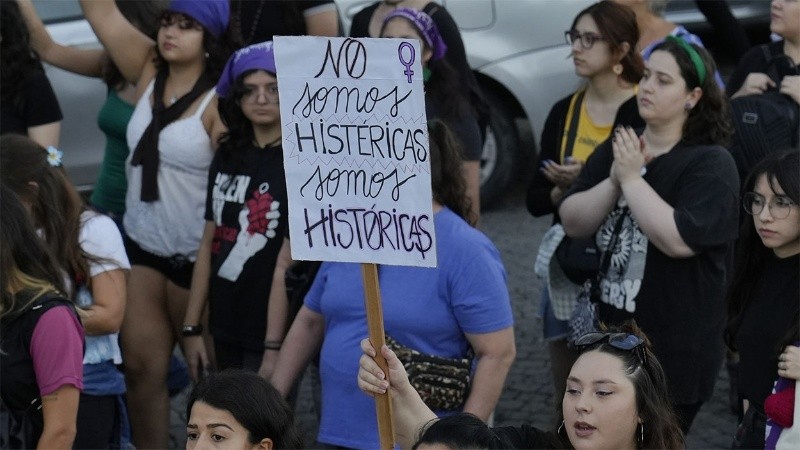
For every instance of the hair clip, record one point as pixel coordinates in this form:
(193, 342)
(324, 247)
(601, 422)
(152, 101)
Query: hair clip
(54, 156)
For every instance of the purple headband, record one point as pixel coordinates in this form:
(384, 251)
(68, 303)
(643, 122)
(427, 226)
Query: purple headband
(257, 56)
(426, 27)
(212, 14)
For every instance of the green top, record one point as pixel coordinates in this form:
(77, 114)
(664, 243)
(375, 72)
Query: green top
(109, 191)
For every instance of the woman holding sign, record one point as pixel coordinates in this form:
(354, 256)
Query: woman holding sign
(444, 311)
(244, 240)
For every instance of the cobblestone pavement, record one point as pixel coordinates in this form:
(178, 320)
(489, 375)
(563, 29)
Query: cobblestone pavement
(528, 396)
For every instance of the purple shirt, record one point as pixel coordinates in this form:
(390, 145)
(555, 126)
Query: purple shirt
(57, 350)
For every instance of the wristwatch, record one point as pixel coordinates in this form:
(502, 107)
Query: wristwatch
(192, 330)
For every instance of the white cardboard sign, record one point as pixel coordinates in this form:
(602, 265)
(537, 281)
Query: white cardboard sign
(355, 143)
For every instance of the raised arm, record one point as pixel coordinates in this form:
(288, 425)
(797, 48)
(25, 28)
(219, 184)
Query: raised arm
(87, 62)
(409, 412)
(582, 213)
(130, 49)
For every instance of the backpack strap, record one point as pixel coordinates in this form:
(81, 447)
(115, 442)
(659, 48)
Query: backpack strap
(778, 64)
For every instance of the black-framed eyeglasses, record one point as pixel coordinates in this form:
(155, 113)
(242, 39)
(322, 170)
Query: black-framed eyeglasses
(587, 39)
(779, 207)
(620, 341)
(270, 92)
(169, 18)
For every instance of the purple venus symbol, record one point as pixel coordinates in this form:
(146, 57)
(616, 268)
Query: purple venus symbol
(407, 63)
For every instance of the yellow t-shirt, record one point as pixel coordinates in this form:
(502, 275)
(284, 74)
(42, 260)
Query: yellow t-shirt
(588, 136)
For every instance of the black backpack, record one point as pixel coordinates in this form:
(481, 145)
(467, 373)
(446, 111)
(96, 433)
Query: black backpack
(764, 123)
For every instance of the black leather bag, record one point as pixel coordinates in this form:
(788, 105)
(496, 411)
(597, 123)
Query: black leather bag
(579, 258)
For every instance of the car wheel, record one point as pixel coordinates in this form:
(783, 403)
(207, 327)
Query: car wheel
(500, 153)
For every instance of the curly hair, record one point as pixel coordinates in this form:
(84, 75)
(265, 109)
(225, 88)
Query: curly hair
(253, 402)
(56, 207)
(709, 122)
(27, 269)
(617, 24)
(447, 181)
(650, 384)
(782, 170)
(17, 58)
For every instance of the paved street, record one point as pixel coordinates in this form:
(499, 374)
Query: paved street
(527, 397)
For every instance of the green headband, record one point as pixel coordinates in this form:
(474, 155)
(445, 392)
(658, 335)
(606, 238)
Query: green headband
(693, 55)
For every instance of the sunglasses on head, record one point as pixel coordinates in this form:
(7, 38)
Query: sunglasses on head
(169, 18)
(620, 341)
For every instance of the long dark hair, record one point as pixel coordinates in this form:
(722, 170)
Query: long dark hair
(661, 428)
(17, 58)
(617, 24)
(253, 402)
(27, 269)
(709, 121)
(447, 181)
(781, 169)
(240, 130)
(55, 205)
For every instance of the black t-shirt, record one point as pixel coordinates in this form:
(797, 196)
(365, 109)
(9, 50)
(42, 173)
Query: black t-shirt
(263, 19)
(538, 198)
(38, 106)
(754, 61)
(529, 437)
(765, 322)
(678, 302)
(250, 194)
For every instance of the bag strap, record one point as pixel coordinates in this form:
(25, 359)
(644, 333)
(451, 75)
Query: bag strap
(606, 261)
(572, 130)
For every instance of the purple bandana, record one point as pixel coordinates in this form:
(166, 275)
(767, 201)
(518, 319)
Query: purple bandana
(212, 14)
(426, 27)
(257, 56)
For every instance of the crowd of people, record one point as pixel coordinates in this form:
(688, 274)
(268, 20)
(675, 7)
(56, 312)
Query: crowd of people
(694, 261)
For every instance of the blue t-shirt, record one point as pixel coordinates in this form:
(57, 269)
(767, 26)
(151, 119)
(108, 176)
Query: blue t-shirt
(428, 309)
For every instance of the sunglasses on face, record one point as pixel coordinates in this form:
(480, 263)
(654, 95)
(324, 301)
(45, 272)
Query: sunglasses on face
(779, 207)
(620, 341)
(169, 18)
(587, 39)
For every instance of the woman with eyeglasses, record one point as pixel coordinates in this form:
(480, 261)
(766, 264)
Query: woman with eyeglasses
(602, 37)
(673, 189)
(172, 135)
(763, 312)
(245, 239)
(616, 397)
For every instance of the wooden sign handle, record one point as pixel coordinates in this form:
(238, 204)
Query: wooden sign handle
(383, 402)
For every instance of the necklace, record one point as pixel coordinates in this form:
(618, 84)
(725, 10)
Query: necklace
(173, 99)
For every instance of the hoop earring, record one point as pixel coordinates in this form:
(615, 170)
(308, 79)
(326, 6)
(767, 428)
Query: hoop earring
(617, 69)
(641, 434)
(560, 427)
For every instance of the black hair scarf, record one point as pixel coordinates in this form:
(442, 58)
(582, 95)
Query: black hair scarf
(146, 152)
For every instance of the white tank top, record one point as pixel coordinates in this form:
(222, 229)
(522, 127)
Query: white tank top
(173, 224)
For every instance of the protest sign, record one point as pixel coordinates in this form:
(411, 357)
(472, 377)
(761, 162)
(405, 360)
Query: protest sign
(355, 144)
